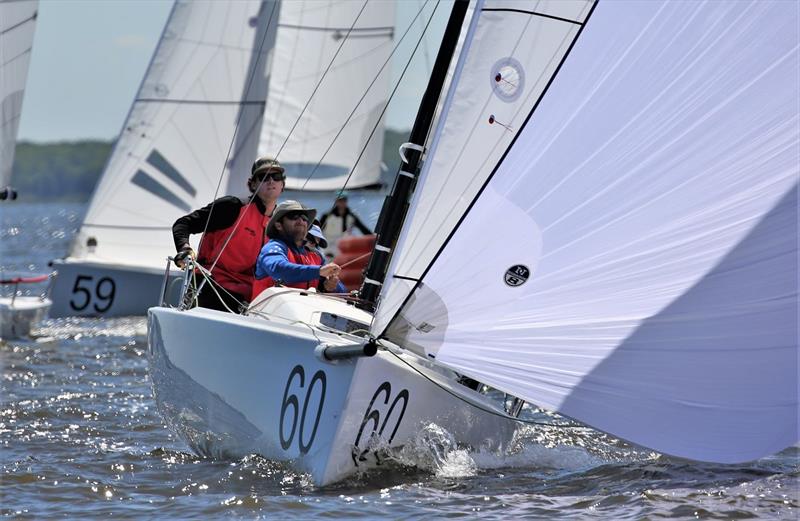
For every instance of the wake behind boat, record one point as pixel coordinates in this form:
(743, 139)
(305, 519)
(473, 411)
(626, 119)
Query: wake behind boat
(604, 225)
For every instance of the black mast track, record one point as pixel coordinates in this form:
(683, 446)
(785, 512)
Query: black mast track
(395, 207)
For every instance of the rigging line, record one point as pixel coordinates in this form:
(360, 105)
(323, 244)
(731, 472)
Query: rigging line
(385, 29)
(480, 408)
(322, 78)
(311, 97)
(254, 70)
(197, 102)
(534, 13)
(124, 227)
(391, 96)
(496, 167)
(375, 79)
(21, 23)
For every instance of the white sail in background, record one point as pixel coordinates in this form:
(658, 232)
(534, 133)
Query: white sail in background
(631, 261)
(308, 43)
(17, 25)
(206, 84)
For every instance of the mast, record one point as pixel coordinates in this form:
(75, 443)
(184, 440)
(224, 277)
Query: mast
(395, 207)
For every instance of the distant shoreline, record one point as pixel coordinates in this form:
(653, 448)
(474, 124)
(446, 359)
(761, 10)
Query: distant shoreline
(67, 171)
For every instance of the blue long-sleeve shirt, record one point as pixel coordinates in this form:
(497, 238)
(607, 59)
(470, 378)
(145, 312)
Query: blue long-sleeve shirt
(273, 261)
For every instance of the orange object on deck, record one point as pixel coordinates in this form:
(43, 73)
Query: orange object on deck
(353, 259)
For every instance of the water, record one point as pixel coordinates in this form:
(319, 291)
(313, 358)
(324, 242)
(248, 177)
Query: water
(81, 438)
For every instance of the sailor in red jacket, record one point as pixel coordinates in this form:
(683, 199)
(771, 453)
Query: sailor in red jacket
(286, 259)
(235, 231)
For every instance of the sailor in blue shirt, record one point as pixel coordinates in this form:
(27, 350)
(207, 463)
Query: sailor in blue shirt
(286, 259)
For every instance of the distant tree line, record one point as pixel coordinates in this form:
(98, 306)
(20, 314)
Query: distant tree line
(68, 171)
(64, 172)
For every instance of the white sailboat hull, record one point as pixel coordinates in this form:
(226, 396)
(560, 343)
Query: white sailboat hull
(233, 385)
(95, 288)
(19, 315)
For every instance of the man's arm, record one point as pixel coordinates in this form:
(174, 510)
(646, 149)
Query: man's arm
(273, 261)
(224, 214)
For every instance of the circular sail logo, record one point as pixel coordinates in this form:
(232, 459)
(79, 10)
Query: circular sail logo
(507, 79)
(517, 275)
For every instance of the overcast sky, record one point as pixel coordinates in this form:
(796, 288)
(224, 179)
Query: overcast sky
(89, 57)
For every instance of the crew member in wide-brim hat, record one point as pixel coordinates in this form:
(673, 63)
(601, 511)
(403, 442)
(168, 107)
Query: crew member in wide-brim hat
(288, 208)
(286, 259)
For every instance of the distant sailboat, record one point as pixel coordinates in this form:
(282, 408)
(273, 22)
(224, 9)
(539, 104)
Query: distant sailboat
(207, 75)
(18, 313)
(17, 25)
(605, 225)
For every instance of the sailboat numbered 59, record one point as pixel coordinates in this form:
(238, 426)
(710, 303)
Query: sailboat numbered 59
(604, 225)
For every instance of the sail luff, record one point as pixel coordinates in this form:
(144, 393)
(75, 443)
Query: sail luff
(245, 145)
(475, 178)
(394, 209)
(179, 130)
(17, 27)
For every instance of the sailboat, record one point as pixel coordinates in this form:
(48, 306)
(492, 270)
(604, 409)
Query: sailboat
(210, 78)
(604, 225)
(18, 313)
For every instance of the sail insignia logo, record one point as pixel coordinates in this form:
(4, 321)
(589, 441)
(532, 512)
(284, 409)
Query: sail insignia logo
(517, 275)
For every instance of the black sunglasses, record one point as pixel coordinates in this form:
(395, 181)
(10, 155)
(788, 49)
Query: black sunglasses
(275, 176)
(293, 216)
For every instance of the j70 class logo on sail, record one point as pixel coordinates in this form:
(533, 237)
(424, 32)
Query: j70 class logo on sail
(517, 275)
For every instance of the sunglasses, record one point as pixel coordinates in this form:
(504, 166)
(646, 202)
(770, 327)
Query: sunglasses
(275, 176)
(293, 216)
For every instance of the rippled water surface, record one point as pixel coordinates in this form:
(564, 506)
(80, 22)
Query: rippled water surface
(81, 438)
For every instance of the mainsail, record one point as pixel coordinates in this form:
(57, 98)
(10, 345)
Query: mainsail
(608, 228)
(17, 25)
(204, 89)
(349, 44)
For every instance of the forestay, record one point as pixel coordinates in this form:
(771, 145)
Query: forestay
(204, 89)
(305, 112)
(17, 25)
(631, 261)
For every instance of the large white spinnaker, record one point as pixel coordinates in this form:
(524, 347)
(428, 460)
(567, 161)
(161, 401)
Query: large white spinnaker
(17, 25)
(205, 84)
(309, 45)
(631, 261)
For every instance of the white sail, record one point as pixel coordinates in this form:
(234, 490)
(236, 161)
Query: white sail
(304, 116)
(17, 25)
(204, 89)
(524, 50)
(631, 261)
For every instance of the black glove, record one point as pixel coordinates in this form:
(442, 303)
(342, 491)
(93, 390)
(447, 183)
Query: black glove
(181, 257)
